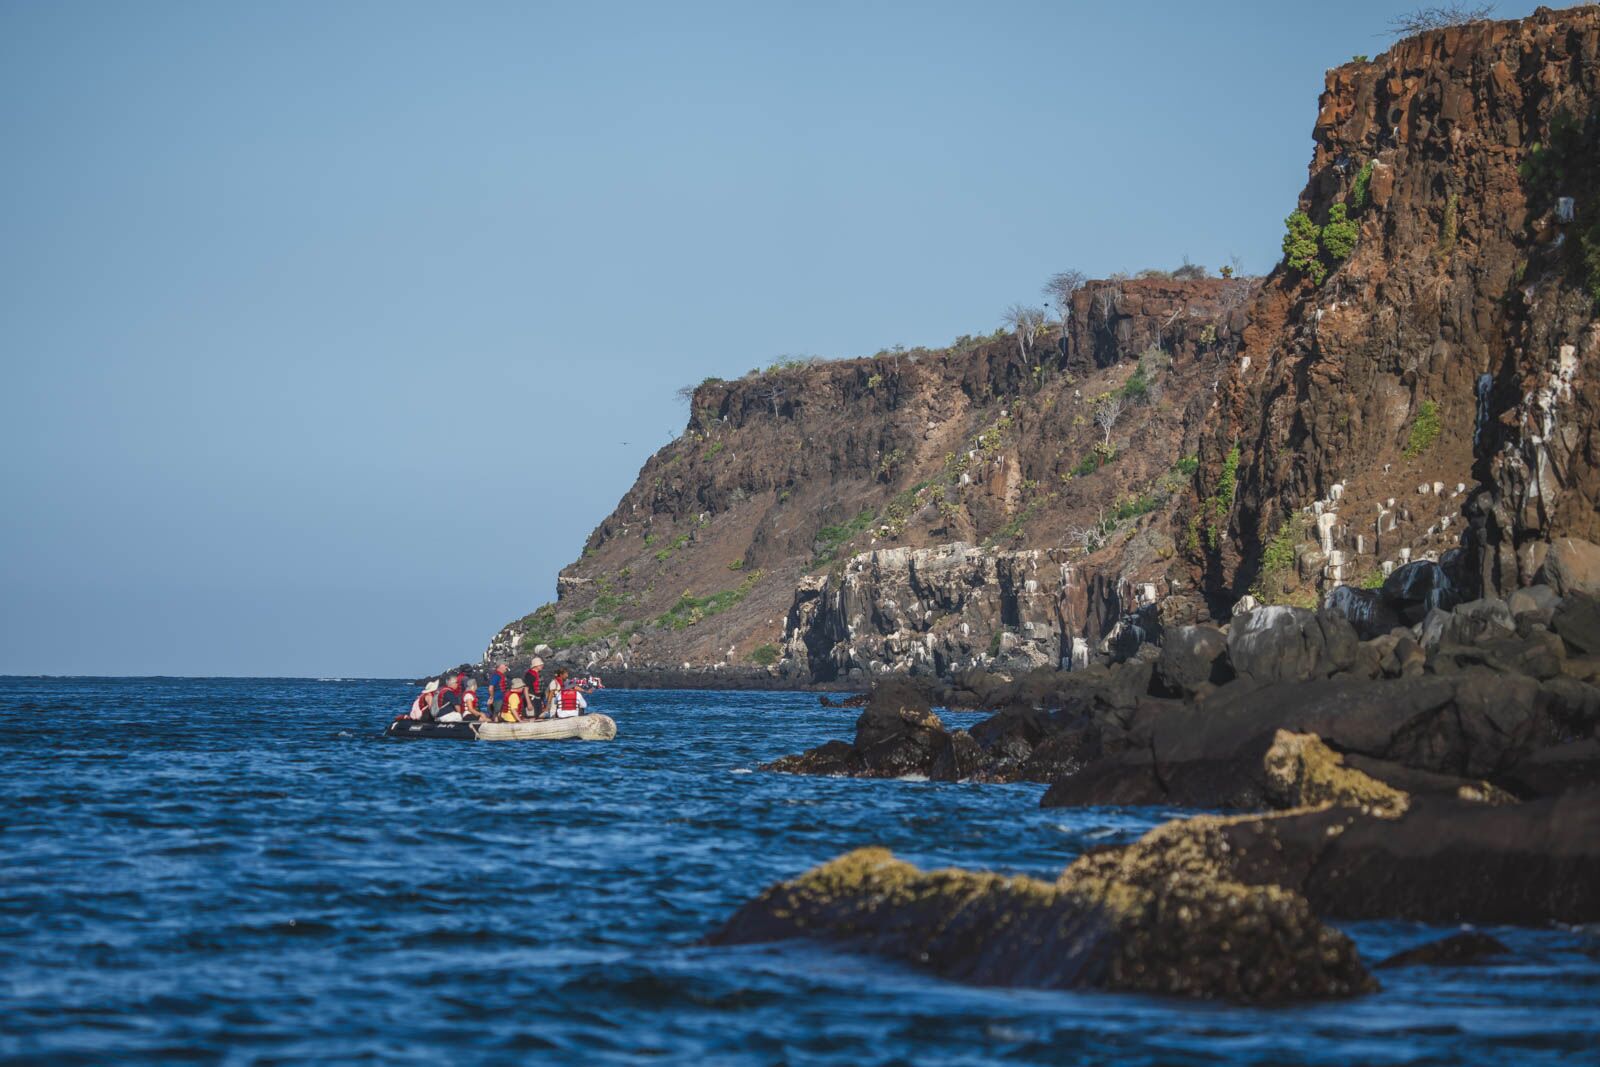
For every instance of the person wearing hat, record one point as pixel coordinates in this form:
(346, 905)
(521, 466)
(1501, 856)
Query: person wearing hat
(422, 707)
(533, 678)
(516, 706)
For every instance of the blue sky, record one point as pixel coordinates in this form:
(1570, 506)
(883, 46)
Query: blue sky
(329, 331)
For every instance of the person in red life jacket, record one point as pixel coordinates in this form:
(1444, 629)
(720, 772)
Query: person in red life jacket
(498, 686)
(533, 678)
(447, 701)
(422, 707)
(565, 698)
(469, 698)
(517, 706)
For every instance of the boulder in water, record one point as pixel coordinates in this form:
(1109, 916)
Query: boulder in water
(1177, 929)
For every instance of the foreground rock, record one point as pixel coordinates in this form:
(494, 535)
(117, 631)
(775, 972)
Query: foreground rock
(1494, 700)
(1441, 861)
(897, 736)
(1184, 933)
(1427, 734)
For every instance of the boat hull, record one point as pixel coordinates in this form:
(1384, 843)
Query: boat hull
(578, 728)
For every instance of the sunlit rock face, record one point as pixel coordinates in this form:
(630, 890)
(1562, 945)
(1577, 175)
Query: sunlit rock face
(1441, 381)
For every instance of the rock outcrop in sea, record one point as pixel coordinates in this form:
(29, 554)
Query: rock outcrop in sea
(1146, 926)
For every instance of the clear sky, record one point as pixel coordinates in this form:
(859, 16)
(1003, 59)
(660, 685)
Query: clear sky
(330, 330)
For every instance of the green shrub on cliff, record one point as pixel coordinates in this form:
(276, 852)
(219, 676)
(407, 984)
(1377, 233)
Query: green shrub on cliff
(1221, 499)
(831, 538)
(1277, 561)
(1307, 247)
(764, 655)
(1134, 506)
(1087, 465)
(689, 609)
(1361, 191)
(1339, 235)
(1424, 429)
(1300, 250)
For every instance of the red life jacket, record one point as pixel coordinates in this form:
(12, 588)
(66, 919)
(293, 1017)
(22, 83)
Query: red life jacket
(569, 698)
(515, 706)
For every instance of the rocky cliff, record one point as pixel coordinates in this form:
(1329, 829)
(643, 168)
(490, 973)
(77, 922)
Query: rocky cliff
(1417, 371)
(1423, 362)
(929, 510)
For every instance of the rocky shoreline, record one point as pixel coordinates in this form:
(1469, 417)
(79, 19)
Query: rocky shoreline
(1445, 772)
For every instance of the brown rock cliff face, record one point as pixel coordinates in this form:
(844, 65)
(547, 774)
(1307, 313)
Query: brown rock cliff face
(1461, 306)
(787, 521)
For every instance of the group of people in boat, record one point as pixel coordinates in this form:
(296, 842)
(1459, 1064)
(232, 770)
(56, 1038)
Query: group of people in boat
(453, 697)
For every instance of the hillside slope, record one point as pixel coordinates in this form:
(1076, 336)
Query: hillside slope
(782, 476)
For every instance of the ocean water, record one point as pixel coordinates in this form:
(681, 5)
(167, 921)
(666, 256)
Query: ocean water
(244, 872)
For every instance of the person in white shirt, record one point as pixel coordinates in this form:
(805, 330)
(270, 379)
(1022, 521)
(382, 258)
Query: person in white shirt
(565, 699)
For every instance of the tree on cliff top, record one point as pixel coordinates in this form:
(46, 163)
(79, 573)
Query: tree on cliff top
(1026, 322)
(1060, 288)
(1438, 17)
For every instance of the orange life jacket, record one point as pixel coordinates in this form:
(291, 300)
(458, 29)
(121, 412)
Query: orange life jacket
(569, 698)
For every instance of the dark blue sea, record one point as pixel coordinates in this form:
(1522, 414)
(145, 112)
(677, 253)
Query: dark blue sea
(242, 871)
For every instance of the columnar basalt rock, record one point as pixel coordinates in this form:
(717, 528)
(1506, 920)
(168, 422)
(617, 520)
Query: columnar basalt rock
(1457, 343)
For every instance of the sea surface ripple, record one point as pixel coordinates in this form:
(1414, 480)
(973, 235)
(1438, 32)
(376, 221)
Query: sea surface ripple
(241, 871)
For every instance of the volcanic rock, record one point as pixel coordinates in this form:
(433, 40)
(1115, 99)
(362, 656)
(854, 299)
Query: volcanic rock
(1284, 644)
(1185, 933)
(1572, 566)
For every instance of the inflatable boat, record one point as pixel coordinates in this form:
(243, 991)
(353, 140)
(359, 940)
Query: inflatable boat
(576, 728)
